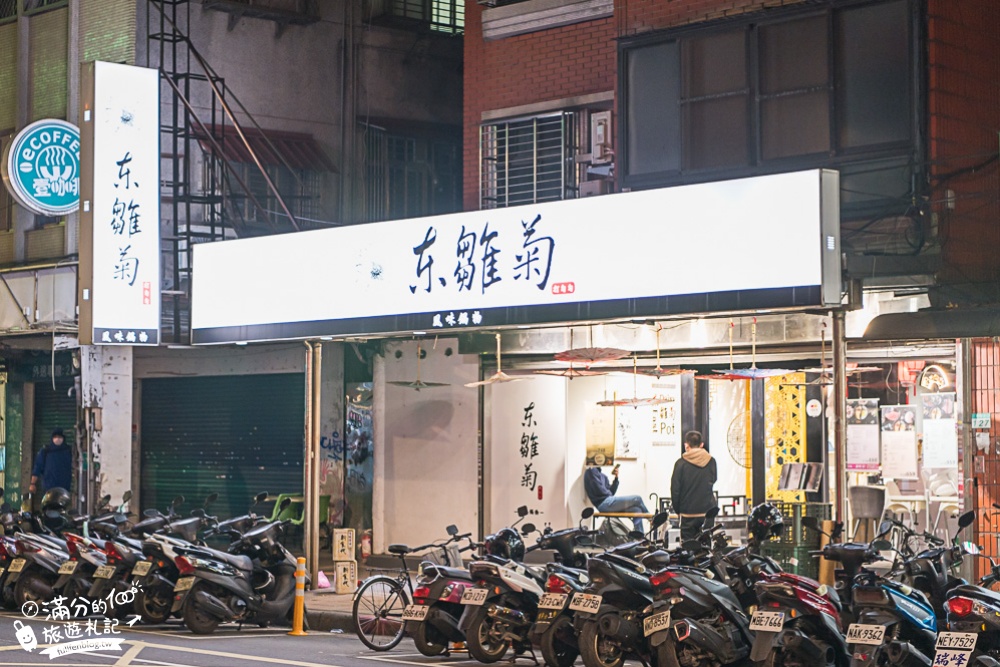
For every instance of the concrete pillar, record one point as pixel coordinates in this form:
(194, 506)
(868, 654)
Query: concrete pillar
(106, 397)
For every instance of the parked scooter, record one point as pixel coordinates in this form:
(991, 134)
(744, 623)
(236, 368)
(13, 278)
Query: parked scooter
(798, 621)
(610, 614)
(254, 583)
(972, 636)
(433, 618)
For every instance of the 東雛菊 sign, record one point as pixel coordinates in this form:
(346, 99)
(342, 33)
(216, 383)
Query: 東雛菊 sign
(41, 167)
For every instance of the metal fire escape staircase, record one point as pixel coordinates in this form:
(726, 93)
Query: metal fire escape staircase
(207, 206)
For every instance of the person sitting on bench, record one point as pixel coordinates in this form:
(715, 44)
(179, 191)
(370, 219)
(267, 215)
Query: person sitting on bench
(602, 495)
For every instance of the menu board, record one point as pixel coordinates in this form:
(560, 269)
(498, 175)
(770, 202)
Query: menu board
(940, 434)
(899, 442)
(862, 434)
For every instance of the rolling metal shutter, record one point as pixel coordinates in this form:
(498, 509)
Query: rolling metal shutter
(236, 435)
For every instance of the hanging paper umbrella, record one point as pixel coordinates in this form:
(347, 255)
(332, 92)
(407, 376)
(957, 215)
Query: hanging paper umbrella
(635, 401)
(417, 384)
(497, 377)
(753, 372)
(659, 372)
(571, 372)
(591, 355)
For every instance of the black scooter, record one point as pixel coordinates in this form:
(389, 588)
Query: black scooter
(254, 582)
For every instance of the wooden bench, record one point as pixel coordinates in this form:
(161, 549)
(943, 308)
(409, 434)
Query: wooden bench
(620, 515)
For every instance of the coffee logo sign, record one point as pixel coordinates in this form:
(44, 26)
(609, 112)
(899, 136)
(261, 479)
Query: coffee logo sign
(41, 167)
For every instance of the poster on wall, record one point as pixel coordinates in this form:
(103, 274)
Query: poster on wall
(940, 435)
(666, 417)
(632, 431)
(862, 434)
(899, 442)
(600, 434)
(528, 451)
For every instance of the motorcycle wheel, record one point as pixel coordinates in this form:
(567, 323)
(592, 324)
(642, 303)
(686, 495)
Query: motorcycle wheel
(481, 646)
(24, 591)
(428, 640)
(197, 619)
(556, 651)
(597, 651)
(153, 606)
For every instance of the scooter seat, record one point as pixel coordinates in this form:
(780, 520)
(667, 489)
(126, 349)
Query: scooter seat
(239, 562)
(399, 549)
(450, 572)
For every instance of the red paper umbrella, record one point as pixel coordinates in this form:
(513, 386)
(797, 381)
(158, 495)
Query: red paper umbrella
(754, 373)
(634, 402)
(571, 373)
(722, 376)
(591, 355)
(663, 372)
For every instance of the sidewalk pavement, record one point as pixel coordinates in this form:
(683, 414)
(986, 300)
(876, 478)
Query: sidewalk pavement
(326, 610)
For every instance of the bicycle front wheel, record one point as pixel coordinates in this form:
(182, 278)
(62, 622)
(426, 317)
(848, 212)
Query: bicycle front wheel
(378, 612)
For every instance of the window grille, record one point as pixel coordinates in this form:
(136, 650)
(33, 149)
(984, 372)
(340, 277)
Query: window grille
(528, 160)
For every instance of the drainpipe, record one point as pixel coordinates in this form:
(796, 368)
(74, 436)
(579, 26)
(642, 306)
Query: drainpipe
(839, 418)
(312, 499)
(307, 458)
(968, 450)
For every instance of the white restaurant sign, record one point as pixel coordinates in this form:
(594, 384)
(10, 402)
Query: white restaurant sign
(763, 242)
(120, 215)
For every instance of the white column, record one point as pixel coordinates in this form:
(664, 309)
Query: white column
(106, 380)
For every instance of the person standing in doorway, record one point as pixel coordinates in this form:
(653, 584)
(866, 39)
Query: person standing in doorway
(601, 493)
(53, 465)
(691, 485)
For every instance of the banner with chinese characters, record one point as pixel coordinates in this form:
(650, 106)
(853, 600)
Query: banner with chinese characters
(862, 434)
(120, 214)
(940, 434)
(531, 264)
(528, 451)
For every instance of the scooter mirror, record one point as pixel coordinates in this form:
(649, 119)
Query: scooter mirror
(527, 529)
(884, 528)
(585, 514)
(127, 496)
(711, 514)
(105, 499)
(283, 505)
(212, 497)
(260, 497)
(522, 511)
(966, 519)
(452, 530)
(661, 518)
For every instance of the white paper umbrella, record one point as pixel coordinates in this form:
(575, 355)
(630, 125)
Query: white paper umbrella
(417, 384)
(497, 377)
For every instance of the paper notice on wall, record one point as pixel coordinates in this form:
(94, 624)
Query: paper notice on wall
(940, 434)
(899, 455)
(632, 432)
(862, 434)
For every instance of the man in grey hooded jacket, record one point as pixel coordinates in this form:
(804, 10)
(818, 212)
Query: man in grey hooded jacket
(695, 473)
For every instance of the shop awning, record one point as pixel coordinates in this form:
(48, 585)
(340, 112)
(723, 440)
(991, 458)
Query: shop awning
(935, 324)
(300, 151)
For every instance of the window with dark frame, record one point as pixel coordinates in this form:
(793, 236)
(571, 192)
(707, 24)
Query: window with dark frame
(528, 160)
(300, 191)
(797, 88)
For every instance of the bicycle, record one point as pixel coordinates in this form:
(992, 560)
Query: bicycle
(381, 599)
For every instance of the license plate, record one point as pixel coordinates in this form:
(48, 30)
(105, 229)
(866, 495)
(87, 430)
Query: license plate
(142, 568)
(17, 564)
(588, 604)
(553, 601)
(184, 583)
(956, 641)
(69, 567)
(767, 621)
(105, 572)
(476, 596)
(871, 635)
(655, 623)
(415, 612)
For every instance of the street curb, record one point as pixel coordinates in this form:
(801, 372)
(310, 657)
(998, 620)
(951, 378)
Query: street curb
(325, 621)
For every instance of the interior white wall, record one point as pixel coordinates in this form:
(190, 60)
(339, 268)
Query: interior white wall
(426, 449)
(727, 400)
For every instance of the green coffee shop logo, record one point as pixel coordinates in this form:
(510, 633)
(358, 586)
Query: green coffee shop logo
(42, 167)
